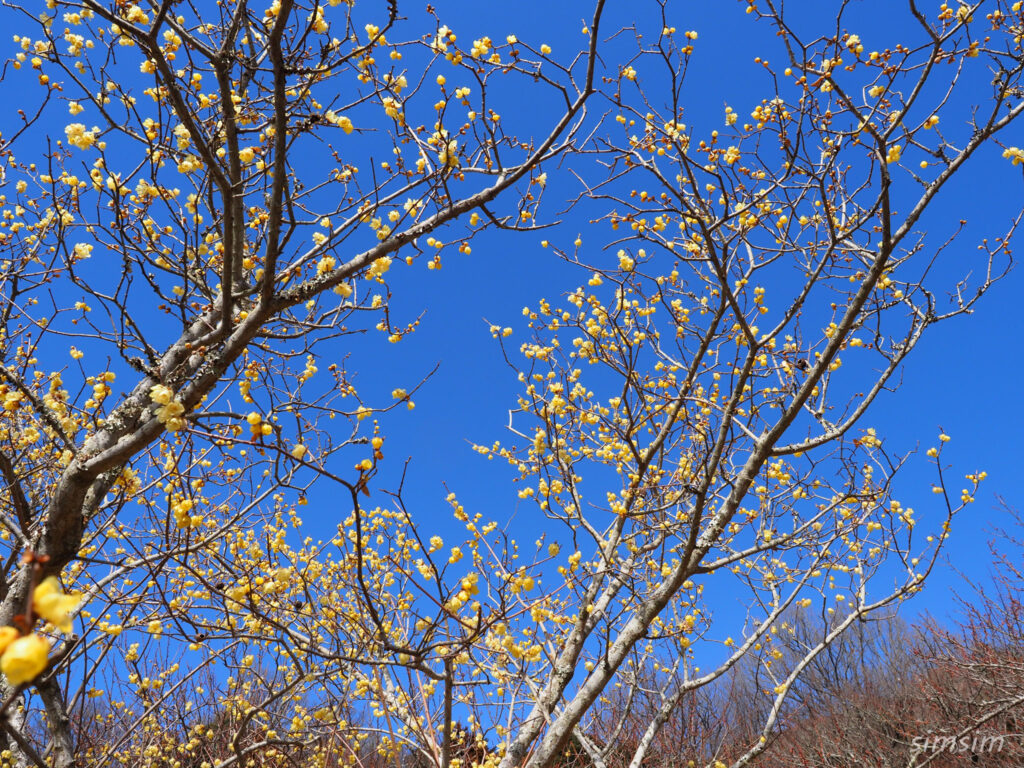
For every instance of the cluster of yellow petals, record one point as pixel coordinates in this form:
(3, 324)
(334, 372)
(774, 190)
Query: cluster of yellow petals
(170, 410)
(23, 657)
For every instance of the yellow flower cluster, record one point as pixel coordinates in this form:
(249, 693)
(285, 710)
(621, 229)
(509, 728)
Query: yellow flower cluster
(189, 164)
(170, 410)
(378, 267)
(1014, 154)
(257, 425)
(340, 120)
(53, 605)
(23, 657)
(325, 265)
(449, 154)
(79, 136)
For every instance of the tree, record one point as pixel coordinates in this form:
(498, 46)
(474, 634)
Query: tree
(884, 693)
(861, 700)
(932, 694)
(692, 420)
(979, 662)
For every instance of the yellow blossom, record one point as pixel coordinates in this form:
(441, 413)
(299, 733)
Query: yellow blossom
(79, 137)
(449, 153)
(341, 121)
(53, 604)
(325, 265)
(24, 659)
(169, 415)
(7, 636)
(161, 393)
(1014, 154)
